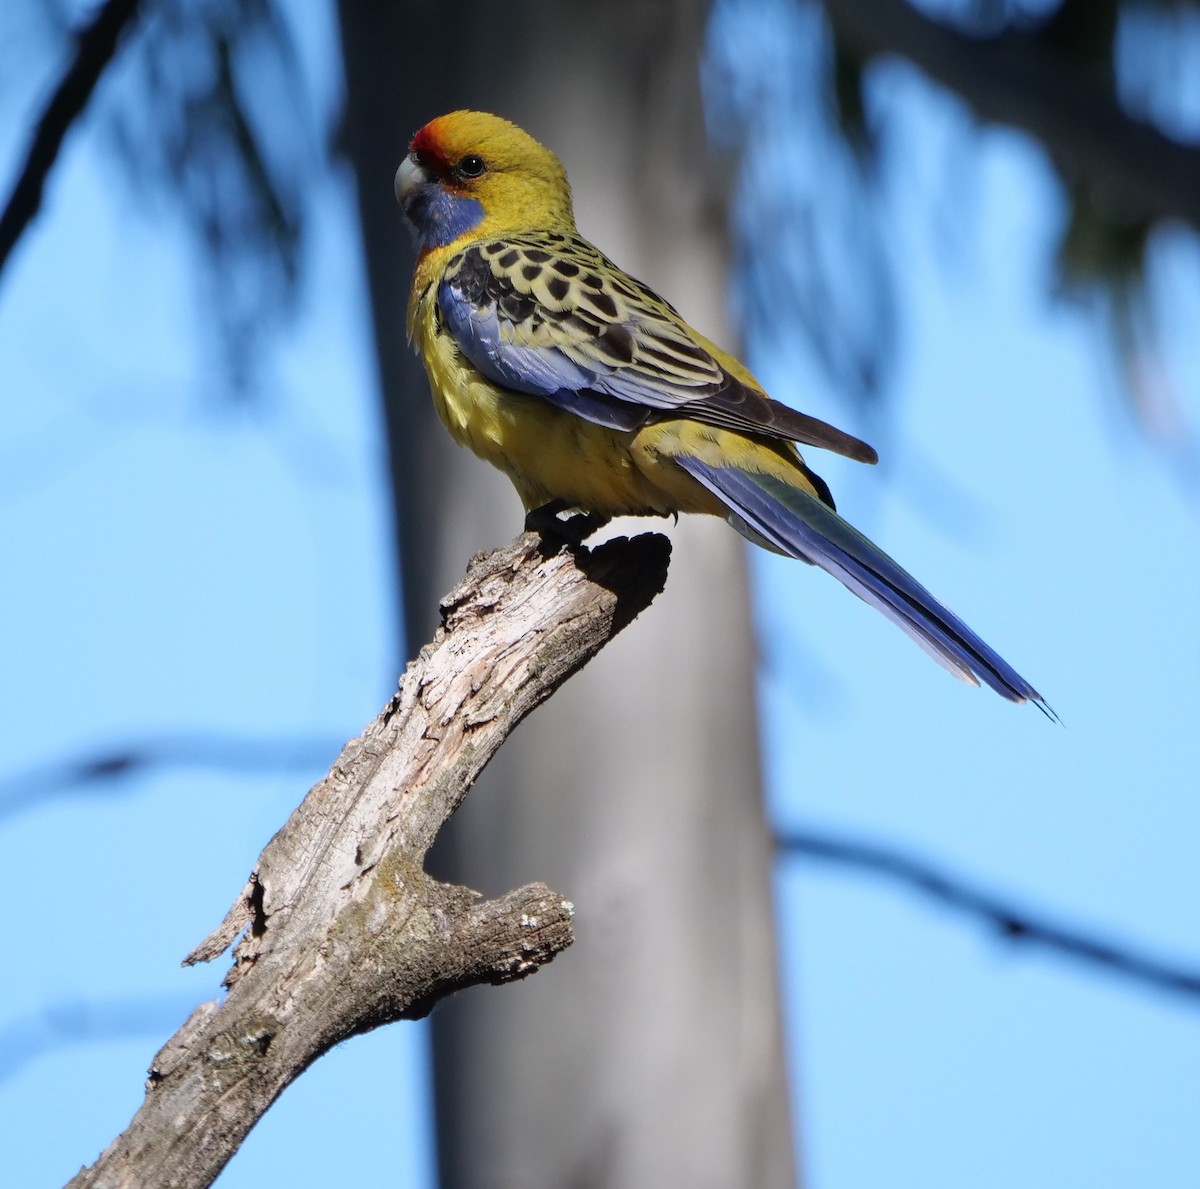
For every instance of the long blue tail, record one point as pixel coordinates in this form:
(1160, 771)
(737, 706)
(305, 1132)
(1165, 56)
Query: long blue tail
(798, 524)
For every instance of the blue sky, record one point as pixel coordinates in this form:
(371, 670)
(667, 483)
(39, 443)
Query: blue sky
(176, 563)
(1073, 548)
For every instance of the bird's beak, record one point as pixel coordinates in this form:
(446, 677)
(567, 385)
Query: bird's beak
(409, 176)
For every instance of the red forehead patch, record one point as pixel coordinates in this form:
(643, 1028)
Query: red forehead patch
(428, 146)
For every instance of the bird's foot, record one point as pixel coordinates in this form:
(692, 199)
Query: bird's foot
(561, 523)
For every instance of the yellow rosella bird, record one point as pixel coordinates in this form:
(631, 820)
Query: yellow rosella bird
(589, 391)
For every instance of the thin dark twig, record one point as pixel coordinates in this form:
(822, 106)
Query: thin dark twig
(95, 46)
(1014, 923)
(108, 770)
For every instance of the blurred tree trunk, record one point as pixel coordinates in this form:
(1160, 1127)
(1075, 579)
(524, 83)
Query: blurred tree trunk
(645, 1057)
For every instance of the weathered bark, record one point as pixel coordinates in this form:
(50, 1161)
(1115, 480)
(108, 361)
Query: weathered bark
(342, 929)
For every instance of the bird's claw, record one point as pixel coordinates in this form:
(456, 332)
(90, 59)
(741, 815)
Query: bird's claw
(560, 523)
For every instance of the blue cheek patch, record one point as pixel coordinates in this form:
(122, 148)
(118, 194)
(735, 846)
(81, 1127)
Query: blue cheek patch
(441, 217)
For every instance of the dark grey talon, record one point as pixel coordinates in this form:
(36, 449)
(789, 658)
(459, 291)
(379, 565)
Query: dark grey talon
(559, 521)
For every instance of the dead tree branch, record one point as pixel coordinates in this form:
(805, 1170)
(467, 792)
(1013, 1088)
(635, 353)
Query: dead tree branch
(341, 929)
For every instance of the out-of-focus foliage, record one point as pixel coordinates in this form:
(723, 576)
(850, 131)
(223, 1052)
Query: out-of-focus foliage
(212, 124)
(808, 232)
(817, 248)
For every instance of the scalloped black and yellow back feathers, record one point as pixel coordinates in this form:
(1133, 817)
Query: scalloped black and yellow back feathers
(558, 293)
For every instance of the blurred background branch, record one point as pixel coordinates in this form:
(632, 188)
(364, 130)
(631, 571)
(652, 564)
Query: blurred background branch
(965, 896)
(109, 770)
(95, 45)
(1054, 78)
(64, 1023)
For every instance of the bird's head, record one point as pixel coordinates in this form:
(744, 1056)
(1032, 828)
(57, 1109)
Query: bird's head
(470, 173)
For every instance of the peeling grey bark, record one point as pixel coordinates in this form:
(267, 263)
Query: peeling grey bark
(341, 928)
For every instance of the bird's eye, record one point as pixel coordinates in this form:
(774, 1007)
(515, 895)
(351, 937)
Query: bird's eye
(471, 166)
